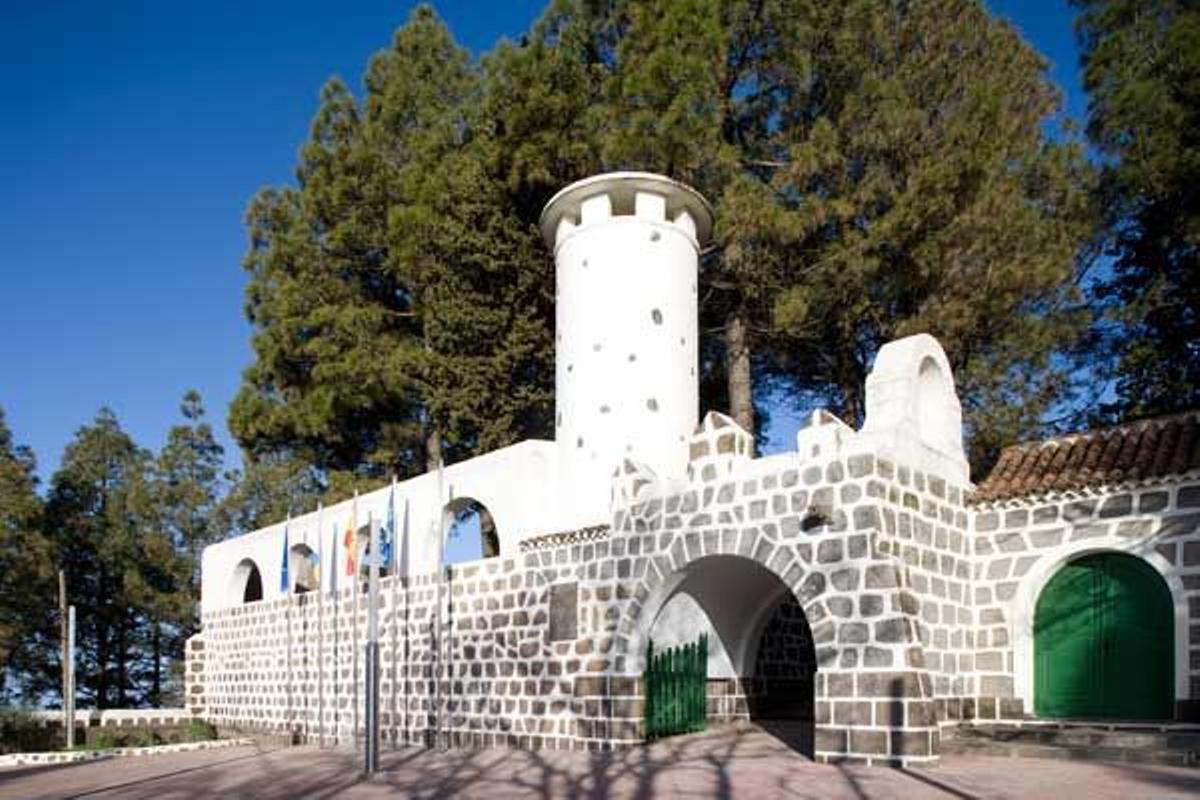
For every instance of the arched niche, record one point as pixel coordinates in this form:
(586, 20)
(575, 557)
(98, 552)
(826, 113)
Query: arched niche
(471, 533)
(247, 584)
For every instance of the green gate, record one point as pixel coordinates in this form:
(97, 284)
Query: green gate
(1104, 641)
(675, 689)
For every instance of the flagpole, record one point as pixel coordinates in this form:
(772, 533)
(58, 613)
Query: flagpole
(393, 559)
(354, 620)
(437, 674)
(321, 570)
(337, 613)
(285, 587)
(371, 684)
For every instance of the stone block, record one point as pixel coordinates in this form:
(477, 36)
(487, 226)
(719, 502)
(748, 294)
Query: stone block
(868, 742)
(911, 743)
(1116, 506)
(852, 712)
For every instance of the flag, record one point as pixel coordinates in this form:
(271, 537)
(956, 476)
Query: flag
(284, 583)
(387, 547)
(351, 550)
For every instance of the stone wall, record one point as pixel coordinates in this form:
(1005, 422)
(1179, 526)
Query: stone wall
(864, 587)
(870, 552)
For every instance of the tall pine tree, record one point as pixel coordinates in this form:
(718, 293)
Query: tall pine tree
(1141, 62)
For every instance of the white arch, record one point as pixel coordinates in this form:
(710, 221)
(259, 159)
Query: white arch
(1024, 606)
(241, 577)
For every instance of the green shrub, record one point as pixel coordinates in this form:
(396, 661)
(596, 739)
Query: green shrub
(199, 730)
(106, 740)
(21, 733)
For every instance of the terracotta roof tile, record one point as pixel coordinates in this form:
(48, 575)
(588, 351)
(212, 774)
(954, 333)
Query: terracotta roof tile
(1150, 448)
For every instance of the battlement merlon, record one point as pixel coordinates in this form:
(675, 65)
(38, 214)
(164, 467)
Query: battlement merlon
(641, 195)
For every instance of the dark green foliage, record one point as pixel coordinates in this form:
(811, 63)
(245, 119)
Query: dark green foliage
(1141, 62)
(391, 296)
(99, 515)
(28, 628)
(21, 733)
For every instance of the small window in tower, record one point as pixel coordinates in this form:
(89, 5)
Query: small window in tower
(652, 404)
(656, 315)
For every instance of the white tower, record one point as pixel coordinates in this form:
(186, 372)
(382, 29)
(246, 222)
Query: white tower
(626, 248)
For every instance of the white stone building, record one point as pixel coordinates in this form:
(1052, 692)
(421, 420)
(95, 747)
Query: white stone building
(860, 585)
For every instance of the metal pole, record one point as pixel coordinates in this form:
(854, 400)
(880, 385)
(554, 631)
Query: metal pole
(437, 672)
(372, 677)
(354, 622)
(323, 567)
(69, 700)
(62, 641)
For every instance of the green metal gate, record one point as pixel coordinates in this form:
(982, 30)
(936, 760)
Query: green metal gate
(675, 689)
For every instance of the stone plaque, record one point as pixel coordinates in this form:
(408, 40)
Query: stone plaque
(564, 615)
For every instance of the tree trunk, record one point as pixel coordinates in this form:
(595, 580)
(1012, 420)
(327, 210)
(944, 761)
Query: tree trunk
(156, 686)
(737, 369)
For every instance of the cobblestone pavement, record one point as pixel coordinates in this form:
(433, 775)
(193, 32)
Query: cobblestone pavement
(742, 762)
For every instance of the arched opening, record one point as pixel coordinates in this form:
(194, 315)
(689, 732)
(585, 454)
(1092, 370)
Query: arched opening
(472, 533)
(1104, 641)
(247, 582)
(302, 567)
(761, 661)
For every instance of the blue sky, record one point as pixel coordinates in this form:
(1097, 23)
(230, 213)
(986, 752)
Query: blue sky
(133, 135)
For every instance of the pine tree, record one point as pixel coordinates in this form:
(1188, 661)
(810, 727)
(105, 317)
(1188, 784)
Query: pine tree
(28, 624)
(99, 513)
(186, 491)
(1141, 61)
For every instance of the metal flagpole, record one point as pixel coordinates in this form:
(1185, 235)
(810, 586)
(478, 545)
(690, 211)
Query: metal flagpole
(395, 573)
(437, 673)
(69, 700)
(354, 619)
(404, 570)
(322, 568)
(337, 645)
(285, 587)
(371, 682)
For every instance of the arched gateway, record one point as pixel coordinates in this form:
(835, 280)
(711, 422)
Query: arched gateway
(761, 652)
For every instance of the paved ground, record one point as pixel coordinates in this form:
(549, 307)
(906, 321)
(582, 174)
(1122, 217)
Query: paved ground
(730, 762)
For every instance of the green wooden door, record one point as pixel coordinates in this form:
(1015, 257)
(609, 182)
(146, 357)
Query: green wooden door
(1104, 641)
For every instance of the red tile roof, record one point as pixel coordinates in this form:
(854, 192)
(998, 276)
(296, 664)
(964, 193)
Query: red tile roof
(1150, 448)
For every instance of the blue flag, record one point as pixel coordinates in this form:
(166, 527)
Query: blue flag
(387, 547)
(284, 583)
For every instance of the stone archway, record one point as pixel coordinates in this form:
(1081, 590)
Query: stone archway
(762, 656)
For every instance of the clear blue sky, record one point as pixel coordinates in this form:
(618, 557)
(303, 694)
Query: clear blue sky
(132, 136)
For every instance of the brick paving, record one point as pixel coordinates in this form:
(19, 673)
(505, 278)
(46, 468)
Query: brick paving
(736, 761)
